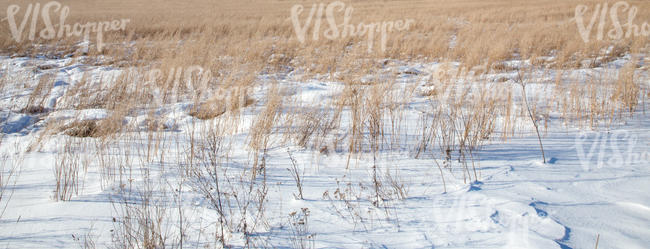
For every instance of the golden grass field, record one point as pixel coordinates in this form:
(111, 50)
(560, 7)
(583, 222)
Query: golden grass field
(195, 32)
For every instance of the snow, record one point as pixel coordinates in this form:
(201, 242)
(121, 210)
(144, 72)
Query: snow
(595, 182)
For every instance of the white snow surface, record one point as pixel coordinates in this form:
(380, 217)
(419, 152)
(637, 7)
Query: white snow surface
(596, 183)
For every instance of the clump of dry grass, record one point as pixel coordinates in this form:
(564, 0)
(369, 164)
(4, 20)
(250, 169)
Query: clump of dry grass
(86, 128)
(66, 172)
(38, 96)
(260, 131)
(143, 219)
(92, 128)
(299, 225)
(87, 240)
(9, 171)
(626, 89)
(598, 98)
(207, 111)
(218, 106)
(297, 176)
(238, 198)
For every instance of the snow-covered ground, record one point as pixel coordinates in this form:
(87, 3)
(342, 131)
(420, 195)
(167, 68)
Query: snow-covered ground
(595, 183)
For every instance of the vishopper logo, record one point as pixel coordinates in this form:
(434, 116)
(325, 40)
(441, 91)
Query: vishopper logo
(615, 150)
(192, 83)
(600, 15)
(60, 30)
(450, 84)
(472, 213)
(344, 29)
(194, 78)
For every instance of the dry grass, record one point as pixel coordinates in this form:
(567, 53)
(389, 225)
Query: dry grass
(93, 128)
(221, 35)
(239, 42)
(10, 165)
(67, 171)
(216, 107)
(37, 97)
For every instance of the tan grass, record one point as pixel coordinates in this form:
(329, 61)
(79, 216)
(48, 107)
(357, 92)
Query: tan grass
(258, 32)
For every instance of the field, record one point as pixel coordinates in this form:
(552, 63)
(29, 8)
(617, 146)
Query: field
(304, 124)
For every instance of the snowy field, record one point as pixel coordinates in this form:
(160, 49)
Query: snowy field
(203, 182)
